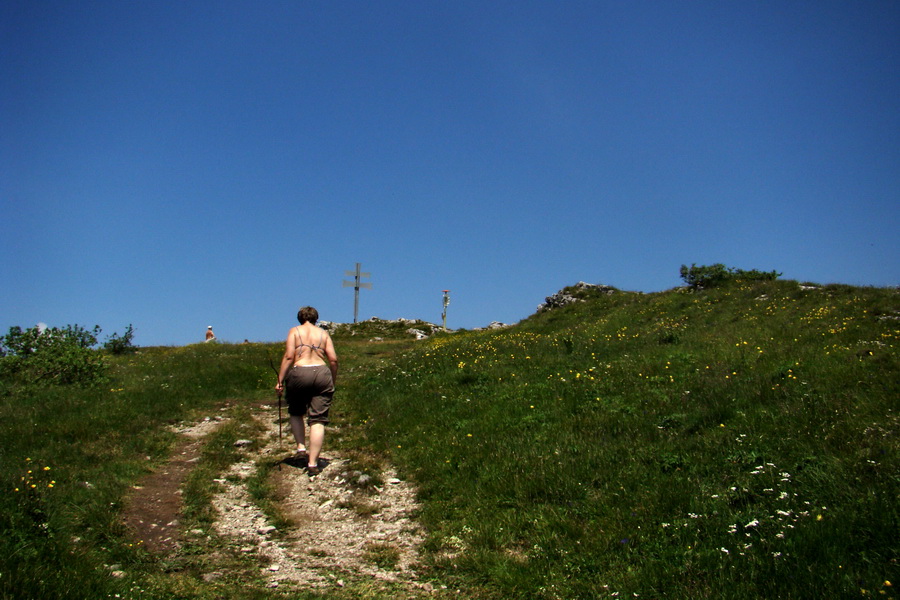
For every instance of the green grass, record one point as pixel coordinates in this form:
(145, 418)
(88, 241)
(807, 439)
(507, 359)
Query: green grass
(738, 442)
(733, 443)
(96, 443)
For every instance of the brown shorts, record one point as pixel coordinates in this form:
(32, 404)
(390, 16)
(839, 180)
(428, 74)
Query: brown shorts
(308, 391)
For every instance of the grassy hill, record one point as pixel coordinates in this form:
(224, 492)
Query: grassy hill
(731, 443)
(735, 442)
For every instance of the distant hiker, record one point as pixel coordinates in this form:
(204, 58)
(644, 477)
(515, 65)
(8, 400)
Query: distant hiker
(308, 383)
(209, 334)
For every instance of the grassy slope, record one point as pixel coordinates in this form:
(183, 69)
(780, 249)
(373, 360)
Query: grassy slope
(82, 449)
(733, 443)
(737, 443)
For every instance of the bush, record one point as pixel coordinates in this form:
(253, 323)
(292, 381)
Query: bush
(51, 356)
(708, 276)
(116, 344)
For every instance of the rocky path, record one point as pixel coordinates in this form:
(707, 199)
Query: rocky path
(344, 527)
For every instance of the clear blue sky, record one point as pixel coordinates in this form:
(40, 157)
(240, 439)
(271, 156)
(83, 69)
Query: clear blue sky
(181, 164)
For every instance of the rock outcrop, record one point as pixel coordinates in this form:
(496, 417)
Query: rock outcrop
(574, 293)
(378, 329)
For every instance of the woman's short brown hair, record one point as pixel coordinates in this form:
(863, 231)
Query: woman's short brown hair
(308, 313)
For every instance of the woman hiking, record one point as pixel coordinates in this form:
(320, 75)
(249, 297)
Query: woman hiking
(308, 383)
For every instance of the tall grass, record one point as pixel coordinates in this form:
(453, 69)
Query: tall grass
(732, 443)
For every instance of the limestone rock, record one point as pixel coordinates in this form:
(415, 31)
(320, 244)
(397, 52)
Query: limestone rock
(568, 295)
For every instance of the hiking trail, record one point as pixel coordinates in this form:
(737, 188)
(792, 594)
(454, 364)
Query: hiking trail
(343, 527)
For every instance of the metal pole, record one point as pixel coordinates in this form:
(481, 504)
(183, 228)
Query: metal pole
(357, 285)
(356, 295)
(446, 302)
(277, 373)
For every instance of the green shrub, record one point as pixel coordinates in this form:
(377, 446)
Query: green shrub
(54, 356)
(116, 344)
(709, 276)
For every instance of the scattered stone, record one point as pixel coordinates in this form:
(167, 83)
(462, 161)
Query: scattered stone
(243, 443)
(417, 333)
(287, 556)
(118, 574)
(492, 326)
(212, 576)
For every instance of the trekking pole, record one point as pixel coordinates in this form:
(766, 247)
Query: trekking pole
(279, 420)
(272, 364)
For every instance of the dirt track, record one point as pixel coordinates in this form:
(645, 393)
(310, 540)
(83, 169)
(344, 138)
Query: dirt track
(345, 528)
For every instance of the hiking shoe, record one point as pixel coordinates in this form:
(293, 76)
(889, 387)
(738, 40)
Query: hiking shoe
(313, 471)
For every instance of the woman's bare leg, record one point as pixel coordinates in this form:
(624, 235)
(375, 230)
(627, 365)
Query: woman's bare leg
(316, 439)
(299, 432)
